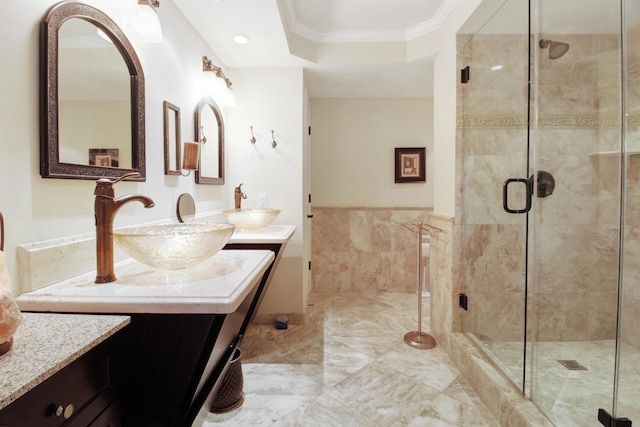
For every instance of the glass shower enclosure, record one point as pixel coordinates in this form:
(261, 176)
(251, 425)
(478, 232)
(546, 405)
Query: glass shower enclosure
(548, 118)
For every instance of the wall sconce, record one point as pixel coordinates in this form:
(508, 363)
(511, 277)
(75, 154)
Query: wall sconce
(222, 85)
(146, 21)
(190, 157)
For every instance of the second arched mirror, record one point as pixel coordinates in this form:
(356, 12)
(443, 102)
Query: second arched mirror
(209, 131)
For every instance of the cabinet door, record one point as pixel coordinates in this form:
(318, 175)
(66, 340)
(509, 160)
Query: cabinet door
(103, 411)
(110, 417)
(79, 392)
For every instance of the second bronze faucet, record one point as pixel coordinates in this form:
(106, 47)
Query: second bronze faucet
(238, 196)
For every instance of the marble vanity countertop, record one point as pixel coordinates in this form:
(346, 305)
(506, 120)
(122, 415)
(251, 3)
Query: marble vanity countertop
(215, 286)
(45, 343)
(269, 234)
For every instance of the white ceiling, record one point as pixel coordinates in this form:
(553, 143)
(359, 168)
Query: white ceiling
(358, 48)
(348, 48)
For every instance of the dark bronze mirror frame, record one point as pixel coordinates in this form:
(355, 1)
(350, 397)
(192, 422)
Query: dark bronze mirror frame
(200, 178)
(50, 165)
(172, 112)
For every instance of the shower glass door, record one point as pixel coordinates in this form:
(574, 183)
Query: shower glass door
(576, 208)
(554, 291)
(493, 118)
(627, 391)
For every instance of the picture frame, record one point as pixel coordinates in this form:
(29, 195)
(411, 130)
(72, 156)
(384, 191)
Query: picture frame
(410, 164)
(105, 157)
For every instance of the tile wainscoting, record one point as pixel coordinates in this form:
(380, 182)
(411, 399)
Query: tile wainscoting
(361, 249)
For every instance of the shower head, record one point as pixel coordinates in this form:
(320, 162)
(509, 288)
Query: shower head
(556, 49)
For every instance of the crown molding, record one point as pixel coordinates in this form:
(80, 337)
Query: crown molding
(302, 30)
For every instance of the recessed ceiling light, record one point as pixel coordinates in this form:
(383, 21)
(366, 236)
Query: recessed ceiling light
(497, 67)
(241, 39)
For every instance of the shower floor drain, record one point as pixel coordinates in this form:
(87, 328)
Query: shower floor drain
(572, 365)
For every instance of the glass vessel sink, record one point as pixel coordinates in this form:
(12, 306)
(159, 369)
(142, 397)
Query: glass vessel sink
(173, 246)
(251, 219)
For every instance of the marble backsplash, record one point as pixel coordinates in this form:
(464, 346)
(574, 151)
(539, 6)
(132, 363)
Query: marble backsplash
(360, 249)
(41, 264)
(44, 263)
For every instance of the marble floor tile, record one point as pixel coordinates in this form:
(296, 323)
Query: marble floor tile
(349, 366)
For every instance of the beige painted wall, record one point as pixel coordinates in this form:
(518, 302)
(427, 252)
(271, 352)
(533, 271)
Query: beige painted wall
(277, 173)
(352, 149)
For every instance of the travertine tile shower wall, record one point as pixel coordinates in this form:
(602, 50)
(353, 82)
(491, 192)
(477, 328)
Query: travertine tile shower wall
(364, 249)
(576, 256)
(575, 239)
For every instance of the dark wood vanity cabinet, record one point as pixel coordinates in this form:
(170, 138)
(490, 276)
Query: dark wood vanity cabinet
(81, 394)
(161, 370)
(171, 364)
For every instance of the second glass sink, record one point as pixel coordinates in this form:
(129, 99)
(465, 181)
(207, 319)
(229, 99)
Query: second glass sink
(251, 219)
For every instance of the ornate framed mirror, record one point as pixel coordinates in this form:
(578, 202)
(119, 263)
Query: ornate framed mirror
(91, 97)
(209, 131)
(172, 132)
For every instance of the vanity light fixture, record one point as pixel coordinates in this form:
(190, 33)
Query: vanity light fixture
(146, 21)
(222, 86)
(190, 157)
(273, 143)
(253, 138)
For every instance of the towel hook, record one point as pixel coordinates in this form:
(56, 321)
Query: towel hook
(273, 143)
(253, 138)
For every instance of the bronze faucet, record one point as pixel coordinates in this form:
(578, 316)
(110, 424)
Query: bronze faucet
(239, 195)
(106, 206)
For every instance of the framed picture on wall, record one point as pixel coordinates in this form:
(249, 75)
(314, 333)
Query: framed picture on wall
(410, 164)
(107, 157)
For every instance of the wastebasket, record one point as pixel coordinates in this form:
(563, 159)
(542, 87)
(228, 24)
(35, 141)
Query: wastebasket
(230, 396)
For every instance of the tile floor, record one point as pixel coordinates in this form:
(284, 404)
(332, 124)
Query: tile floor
(349, 366)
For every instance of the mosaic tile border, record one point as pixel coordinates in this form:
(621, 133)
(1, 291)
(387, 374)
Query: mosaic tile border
(545, 121)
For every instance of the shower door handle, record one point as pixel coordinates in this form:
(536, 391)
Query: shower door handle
(505, 195)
